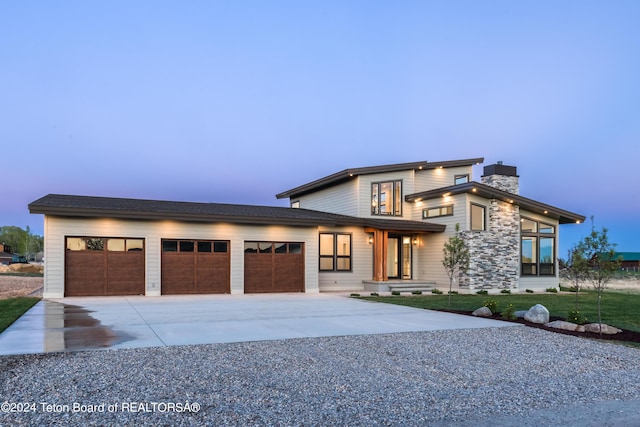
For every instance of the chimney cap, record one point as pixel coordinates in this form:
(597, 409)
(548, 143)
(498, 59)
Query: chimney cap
(500, 169)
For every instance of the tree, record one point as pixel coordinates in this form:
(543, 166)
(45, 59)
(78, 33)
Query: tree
(456, 258)
(21, 241)
(600, 255)
(576, 268)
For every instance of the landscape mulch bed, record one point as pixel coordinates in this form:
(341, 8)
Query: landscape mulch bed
(624, 336)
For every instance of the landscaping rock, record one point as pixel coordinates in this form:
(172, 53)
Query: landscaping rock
(520, 314)
(606, 329)
(537, 314)
(482, 312)
(566, 326)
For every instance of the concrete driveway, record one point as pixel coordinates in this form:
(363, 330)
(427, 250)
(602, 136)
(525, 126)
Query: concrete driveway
(83, 323)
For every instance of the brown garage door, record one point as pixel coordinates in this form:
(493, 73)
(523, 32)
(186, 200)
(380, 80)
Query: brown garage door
(96, 266)
(273, 267)
(195, 267)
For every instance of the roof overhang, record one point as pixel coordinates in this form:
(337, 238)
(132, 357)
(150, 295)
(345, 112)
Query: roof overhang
(348, 174)
(488, 192)
(156, 210)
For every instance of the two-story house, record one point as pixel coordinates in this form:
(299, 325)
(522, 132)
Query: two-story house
(355, 230)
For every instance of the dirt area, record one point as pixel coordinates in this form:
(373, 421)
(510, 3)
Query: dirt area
(20, 285)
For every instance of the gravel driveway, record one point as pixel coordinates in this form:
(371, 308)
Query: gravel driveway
(494, 376)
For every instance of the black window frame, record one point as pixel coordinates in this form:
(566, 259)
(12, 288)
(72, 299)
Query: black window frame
(395, 198)
(334, 255)
(461, 176)
(448, 211)
(484, 216)
(538, 268)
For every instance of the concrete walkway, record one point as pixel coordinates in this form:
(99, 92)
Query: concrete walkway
(83, 323)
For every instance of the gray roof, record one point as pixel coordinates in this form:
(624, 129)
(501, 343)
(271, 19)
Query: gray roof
(90, 206)
(486, 191)
(347, 174)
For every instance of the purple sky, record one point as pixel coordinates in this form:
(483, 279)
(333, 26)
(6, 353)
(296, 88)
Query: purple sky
(235, 101)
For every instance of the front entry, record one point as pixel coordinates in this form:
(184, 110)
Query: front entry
(399, 257)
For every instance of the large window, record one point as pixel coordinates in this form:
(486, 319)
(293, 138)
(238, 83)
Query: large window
(386, 198)
(335, 252)
(537, 248)
(478, 221)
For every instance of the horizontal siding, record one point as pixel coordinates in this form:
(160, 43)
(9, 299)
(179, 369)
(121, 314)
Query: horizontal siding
(437, 178)
(341, 199)
(361, 263)
(153, 231)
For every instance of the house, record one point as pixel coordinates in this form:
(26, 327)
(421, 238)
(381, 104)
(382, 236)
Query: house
(5, 254)
(360, 229)
(629, 261)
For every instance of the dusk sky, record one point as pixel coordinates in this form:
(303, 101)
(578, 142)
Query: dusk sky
(236, 101)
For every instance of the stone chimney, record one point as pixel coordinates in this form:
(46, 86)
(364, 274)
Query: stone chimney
(502, 177)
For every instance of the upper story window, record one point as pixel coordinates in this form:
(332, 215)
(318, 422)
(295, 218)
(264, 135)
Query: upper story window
(386, 198)
(478, 220)
(295, 204)
(461, 179)
(438, 211)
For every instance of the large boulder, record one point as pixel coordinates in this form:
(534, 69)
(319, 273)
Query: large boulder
(482, 312)
(537, 314)
(565, 326)
(606, 329)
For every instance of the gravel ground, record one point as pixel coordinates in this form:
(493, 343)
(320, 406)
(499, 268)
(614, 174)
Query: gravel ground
(495, 376)
(20, 286)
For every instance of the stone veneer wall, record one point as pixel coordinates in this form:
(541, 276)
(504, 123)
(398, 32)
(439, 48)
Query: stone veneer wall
(502, 182)
(495, 253)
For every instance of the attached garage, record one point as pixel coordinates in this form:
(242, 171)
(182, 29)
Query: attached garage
(195, 267)
(273, 267)
(97, 266)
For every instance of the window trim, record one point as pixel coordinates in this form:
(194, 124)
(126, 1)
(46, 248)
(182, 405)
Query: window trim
(538, 268)
(425, 212)
(395, 199)
(459, 176)
(484, 216)
(334, 253)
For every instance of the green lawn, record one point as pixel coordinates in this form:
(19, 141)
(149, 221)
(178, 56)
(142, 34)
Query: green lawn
(11, 309)
(620, 309)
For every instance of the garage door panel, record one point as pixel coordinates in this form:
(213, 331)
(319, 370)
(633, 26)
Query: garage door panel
(194, 272)
(91, 270)
(277, 270)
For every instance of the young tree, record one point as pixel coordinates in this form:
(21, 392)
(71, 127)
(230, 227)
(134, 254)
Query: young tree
(600, 255)
(456, 258)
(576, 268)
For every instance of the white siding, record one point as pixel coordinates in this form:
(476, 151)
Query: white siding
(361, 263)
(364, 202)
(428, 254)
(437, 178)
(57, 228)
(340, 199)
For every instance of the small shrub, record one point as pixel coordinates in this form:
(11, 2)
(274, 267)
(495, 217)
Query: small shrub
(416, 292)
(568, 289)
(575, 316)
(491, 305)
(453, 292)
(396, 293)
(529, 291)
(436, 291)
(552, 290)
(355, 295)
(482, 292)
(505, 291)
(509, 313)
(374, 294)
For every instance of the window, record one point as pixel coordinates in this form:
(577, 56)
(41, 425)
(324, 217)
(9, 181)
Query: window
(461, 179)
(335, 252)
(386, 198)
(295, 204)
(478, 222)
(193, 246)
(100, 244)
(537, 248)
(271, 248)
(436, 212)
